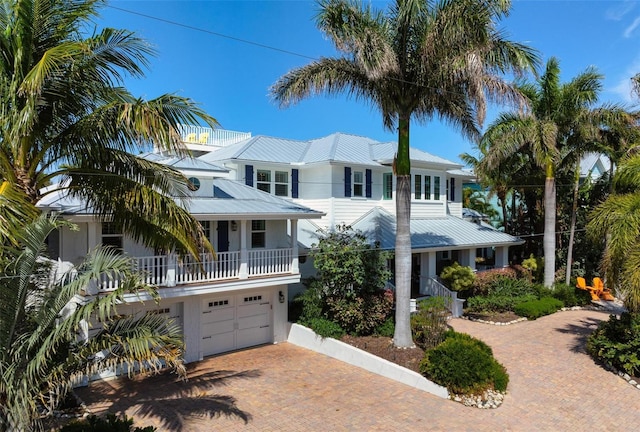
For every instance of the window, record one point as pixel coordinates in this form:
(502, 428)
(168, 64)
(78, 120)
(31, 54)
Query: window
(436, 188)
(418, 186)
(206, 227)
(264, 180)
(112, 236)
(194, 183)
(282, 183)
(387, 186)
(358, 182)
(427, 187)
(258, 234)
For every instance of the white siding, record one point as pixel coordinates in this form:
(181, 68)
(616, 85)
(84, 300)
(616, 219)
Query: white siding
(73, 244)
(455, 209)
(315, 182)
(337, 181)
(427, 209)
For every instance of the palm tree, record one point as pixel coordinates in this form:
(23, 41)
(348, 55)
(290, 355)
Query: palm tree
(41, 315)
(421, 60)
(66, 117)
(616, 219)
(545, 131)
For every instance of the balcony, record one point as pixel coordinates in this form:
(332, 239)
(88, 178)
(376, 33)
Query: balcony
(171, 270)
(204, 136)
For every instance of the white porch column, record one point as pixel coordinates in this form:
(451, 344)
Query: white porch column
(171, 269)
(191, 316)
(244, 255)
(470, 258)
(502, 256)
(295, 268)
(431, 268)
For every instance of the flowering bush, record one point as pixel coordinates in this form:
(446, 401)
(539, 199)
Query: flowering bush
(360, 315)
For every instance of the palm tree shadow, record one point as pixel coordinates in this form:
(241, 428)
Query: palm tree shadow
(169, 398)
(581, 330)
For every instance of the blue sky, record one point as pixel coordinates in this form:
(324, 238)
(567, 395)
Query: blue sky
(231, 79)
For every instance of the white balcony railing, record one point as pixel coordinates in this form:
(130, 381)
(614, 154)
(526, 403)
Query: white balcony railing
(211, 137)
(172, 269)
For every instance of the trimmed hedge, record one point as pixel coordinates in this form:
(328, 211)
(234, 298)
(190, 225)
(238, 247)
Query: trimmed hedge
(325, 328)
(109, 424)
(536, 308)
(464, 365)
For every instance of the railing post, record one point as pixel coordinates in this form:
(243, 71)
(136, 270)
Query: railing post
(172, 264)
(244, 256)
(295, 269)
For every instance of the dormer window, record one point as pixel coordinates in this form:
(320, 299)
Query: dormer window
(264, 180)
(282, 183)
(278, 182)
(194, 183)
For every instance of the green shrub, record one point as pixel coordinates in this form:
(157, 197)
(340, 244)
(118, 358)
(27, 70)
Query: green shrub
(308, 304)
(429, 323)
(109, 424)
(508, 287)
(570, 295)
(360, 315)
(464, 366)
(496, 303)
(536, 308)
(325, 328)
(386, 329)
(617, 342)
(457, 277)
(485, 278)
(452, 334)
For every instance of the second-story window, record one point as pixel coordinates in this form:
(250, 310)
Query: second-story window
(427, 187)
(418, 186)
(358, 182)
(112, 236)
(282, 183)
(258, 234)
(436, 188)
(387, 186)
(264, 180)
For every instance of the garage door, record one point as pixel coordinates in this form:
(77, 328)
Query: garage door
(235, 321)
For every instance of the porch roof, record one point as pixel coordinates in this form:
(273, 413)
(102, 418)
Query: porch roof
(231, 199)
(436, 233)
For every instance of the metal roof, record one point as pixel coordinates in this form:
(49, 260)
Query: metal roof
(337, 147)
(231, 198)
(184, 163)
(441, 233)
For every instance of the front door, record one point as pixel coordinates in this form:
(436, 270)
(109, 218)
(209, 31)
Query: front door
(223, 236)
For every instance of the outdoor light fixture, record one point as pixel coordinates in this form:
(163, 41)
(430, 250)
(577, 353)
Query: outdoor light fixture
(281, 296)
(234, 226)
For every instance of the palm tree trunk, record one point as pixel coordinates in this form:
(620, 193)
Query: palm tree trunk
(402, 335)
(572, 230)
(549, 239)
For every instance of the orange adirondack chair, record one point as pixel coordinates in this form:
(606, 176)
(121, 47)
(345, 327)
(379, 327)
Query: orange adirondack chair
(582, 284)
(604, 293)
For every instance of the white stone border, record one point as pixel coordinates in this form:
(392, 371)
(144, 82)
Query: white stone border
(307, 338)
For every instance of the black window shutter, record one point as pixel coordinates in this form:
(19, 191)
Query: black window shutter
(347, 181)
(248, 175)
(453, 189)
(294, 183)
(367, 175)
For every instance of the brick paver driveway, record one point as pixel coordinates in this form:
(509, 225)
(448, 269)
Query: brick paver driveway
(554, 386)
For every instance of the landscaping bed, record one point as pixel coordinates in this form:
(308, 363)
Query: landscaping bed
(383, 347)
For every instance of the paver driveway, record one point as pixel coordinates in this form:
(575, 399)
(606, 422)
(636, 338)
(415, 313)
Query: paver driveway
(554, 386)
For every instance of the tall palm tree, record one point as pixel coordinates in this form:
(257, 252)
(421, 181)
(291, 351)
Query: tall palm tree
(41, 315)
(420, 60)
(616, 219)
(545, 131)
(66, 117)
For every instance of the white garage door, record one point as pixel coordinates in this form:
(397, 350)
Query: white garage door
(235, 321)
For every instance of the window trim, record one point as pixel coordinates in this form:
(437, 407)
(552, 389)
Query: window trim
(112, 233)
(436, 188)
(417, 186)
(427, 187)
(266, 182)
(358, 184)
(261, 231)
(387, 186)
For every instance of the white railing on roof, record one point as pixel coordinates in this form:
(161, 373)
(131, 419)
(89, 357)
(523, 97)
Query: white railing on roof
(432, 287)
(211, 137)
(170, 270)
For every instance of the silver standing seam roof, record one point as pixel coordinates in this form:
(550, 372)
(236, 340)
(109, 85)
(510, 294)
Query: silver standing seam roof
(337, 147)
(231, 199)
(439, 233)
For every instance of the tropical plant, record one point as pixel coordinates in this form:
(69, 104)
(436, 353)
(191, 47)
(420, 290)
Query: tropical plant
(546, 132)
(420, 60)
(616, 220)
(42, 315)
(457, 277)
(67, 118)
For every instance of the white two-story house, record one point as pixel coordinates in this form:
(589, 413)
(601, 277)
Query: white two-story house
(235, 299)
(349, 179)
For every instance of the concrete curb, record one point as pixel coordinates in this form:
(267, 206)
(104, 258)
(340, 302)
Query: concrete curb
(306, 338)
